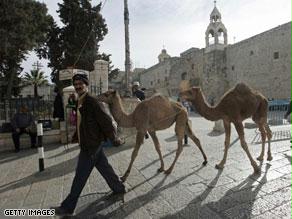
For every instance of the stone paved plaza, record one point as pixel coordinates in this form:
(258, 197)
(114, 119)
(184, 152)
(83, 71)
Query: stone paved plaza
(190, 191)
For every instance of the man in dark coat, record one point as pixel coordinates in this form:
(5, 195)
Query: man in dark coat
(137, 92)
(58, 106)
(94, 126)
(23, 122)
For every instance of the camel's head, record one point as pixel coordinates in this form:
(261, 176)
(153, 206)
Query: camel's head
(108, 96)
(190, 94)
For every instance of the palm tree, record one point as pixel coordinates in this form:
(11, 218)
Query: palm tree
(35, 78)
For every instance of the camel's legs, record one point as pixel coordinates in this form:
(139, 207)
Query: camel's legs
(190, 134)
(269, 134)
(180, 131)
(139, 141)
(227, 127)
(263, 135)
(157, 147)
(240, 131)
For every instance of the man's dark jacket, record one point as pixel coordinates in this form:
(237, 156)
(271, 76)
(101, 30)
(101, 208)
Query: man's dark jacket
(139, 94)
(96, 125)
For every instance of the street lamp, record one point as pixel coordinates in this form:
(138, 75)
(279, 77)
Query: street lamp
(127, 46)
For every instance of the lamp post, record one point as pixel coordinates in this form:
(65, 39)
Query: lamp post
(127, 46)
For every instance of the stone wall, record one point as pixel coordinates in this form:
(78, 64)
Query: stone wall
(157, 76)
(214, 81)
(254, 61)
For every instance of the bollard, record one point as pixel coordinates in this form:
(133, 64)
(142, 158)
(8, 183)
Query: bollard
(40, 147)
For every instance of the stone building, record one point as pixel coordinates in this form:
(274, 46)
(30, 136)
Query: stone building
(118, 82)
(262, 61)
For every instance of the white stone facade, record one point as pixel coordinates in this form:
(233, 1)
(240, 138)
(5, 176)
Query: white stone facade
(98, 78)
(262, 61)
(45, 91)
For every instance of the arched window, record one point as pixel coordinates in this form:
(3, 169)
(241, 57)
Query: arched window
(220, 36)
(184, 76)
(211, 37)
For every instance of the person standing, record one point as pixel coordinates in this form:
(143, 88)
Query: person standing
(58, 105)
(137, 92)
(187, 106)
(23, 122)
(288, 112)
(94, 126)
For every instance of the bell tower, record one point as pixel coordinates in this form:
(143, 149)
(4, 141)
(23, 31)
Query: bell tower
(216, 33)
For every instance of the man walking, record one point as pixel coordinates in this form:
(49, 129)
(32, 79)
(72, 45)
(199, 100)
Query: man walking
(94, 126)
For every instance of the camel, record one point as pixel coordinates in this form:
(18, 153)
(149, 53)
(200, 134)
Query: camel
(150, 115)
(236, 105)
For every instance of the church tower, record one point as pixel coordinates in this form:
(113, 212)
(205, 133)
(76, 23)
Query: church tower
(216, 33)
(163, 55)
(215, 82)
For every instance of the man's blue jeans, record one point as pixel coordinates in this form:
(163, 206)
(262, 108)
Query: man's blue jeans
(84, 167)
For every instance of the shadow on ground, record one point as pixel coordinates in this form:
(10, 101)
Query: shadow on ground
(9, 156)
(229, 205)
(51, 172)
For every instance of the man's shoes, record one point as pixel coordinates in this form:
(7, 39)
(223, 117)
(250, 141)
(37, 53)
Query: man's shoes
(60, 211)
(17, 150)
(33, 146)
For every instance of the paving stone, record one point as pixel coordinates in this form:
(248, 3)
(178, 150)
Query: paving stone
(248, 209)
(283, 211)
(246, 195)
(34, 198)
(190, 191)
(194, 211)
(275, 185)
(177, 196)
(284, 169)
(279, 197)
(266, 215)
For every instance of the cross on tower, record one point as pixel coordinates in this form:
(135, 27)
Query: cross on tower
(215, 3)
(38, 65)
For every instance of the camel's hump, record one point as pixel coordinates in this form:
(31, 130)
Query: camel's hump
(242, 88)
(158, 96)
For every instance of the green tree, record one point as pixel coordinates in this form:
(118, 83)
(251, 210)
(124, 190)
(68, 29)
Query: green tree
(23, 27)
(52, 50)
(35, 78)
(76, 44)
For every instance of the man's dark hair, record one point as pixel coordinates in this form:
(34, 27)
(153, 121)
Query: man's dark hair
(81, 77)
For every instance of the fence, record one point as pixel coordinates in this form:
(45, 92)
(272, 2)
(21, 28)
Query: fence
(277, 110)
(40, 109)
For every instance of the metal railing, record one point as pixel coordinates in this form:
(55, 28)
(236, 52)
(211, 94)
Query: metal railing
(277, 110)
(39, 108)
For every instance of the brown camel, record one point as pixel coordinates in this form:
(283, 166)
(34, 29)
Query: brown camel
(236, 105)
(155, 113)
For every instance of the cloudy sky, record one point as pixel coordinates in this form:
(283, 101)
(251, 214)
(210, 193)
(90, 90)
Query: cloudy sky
(176, 24)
